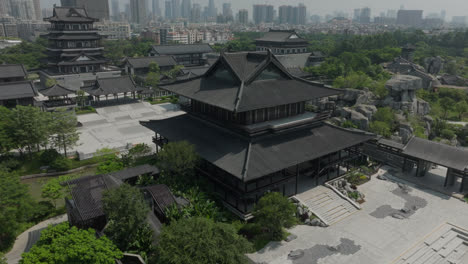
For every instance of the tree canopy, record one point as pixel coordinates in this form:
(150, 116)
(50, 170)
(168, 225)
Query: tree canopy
(177, 161)
(15, 205)
(274, 212)
(62, 244)
(126, 212)
(201, 241)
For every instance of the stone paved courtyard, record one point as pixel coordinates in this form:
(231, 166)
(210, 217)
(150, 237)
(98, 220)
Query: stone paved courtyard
(372, 235)
(118, 126)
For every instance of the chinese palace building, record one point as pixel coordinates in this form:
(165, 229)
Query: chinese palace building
(247, 118)
(74, 54)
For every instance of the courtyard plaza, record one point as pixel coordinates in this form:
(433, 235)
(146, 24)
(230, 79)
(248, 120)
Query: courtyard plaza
(373, 235)
(117, 127)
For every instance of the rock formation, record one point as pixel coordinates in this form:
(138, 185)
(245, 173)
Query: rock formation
(402, 95)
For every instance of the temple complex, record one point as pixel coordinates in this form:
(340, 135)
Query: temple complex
(74, 53)
(282, 42)
(247, 118)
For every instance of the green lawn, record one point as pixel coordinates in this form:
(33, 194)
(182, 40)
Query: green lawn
(35, 185)
(30, 164)
(84, 110)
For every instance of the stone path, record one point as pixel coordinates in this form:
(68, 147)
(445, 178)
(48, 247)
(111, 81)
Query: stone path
(448, 244)
(326, 204)
(22, 241)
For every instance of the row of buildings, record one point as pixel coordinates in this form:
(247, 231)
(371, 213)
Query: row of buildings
(187, 36)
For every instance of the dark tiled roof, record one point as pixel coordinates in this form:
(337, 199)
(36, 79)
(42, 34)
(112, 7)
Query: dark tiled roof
(17, 90)
(122, 84)
(248, 160)
(87, 191)
(162, 61)
(247, 93)
(70, 14)
(391, 143)
(75, 37)
(12, 71)
(162, 197)
(135, 171)
(182, 49)
(438, 153)
(281, 36)
(57, 90)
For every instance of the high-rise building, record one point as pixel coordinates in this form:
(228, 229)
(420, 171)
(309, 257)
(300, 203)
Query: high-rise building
(263, 14)
(138, 11)
(459, 21)
(212, 12)
(301, 14)
(227, 11)
(156, 8)
(115, 9)
(411, 18)
(4, 6)
(37, 9)
(185, 9)
(356, 14)
(168, 9)
(365, 15)
(95, 8)
(175, 9)
(127, 12)
(243, 16)
(195, 13)
(292, 15)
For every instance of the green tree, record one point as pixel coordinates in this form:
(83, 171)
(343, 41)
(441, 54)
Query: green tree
(62, 244)
(15, 207)
(461, 108)
(110, 164)
(447, 104)
(380, 128)
(6, 140)
(29, 127)
(50, 82)
(53, 191)
(2, 259)
(64, 130)
(385, 114)
(80, 98)
(274, 212)
(126, 212)
(172, 73)
(201, 241)
(177, 161)
(153, 67)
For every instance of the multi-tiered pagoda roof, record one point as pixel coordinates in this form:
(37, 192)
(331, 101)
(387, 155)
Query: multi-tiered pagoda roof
(74, 43)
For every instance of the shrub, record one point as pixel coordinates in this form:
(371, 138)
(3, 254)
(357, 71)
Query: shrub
(348, 124)
(48, 156)
(11, 164)
(41, 211)
(275, 211)
(61, 164)
(447, 133)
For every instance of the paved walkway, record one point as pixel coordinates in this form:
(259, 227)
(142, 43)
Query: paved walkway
(326, 204)
(376, 234)
(21, 243)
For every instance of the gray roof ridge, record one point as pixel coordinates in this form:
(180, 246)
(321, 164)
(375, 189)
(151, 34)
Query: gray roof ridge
(224, 59)
(245, 169)
(351, 130)
(239, 96)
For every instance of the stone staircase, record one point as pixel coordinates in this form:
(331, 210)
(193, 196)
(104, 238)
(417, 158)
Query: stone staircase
(326, 204)
(447, 245)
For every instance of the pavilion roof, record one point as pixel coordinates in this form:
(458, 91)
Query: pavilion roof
(243, 88)
(162, 197)
(122, 84)
(437, 153)
(281, 36)
(162, 61)
(17, 90)
(12, 71)
(70, 14)
(249, 159)
(177, 49)
(57, 90)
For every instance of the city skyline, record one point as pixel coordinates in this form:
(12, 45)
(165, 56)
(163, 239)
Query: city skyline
(452, 7)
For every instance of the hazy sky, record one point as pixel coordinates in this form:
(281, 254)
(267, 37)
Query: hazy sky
(321, 7)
